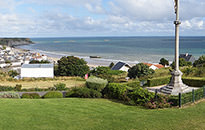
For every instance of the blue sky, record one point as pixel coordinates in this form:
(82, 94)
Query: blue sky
(68, 18)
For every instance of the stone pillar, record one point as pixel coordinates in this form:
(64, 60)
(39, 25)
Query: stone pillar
(176, 85)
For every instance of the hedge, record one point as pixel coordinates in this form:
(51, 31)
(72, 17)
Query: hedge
(115, 91)
(158, 81)
(9, 95)
(96, 83)
(83, 93)
(53, 95)
(194, 81)
(31, 95)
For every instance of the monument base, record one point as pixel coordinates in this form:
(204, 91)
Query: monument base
(176, 85)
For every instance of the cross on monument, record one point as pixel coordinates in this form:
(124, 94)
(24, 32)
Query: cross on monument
(176, 85)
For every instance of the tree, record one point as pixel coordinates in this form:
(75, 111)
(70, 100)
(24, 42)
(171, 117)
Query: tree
(164, 62)
(13, 73)
(139, 70)
(182, 62)
(111, 64)
(39, 62)
(200, 61)
(72, 66)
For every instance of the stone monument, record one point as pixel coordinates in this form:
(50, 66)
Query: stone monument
(176, 85)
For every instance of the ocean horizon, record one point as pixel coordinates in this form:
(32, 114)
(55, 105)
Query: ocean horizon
(130, 49)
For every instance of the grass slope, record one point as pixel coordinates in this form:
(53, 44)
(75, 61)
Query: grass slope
(95, 114)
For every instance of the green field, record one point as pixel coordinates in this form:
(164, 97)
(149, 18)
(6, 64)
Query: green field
(95, 114)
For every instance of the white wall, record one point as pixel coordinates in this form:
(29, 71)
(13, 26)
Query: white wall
(153, 67)
(37, 72)
(124, 68)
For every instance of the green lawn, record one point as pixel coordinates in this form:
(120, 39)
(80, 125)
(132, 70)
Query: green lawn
(95, 114)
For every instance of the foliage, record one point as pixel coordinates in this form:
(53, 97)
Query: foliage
(200, 61)
(160, 101)
(96, 83)
(140, 96)
(164, 62)
(134, 83)
(111, 65)
(162, 72)
(9, 95)
(6, 88)
(139, 70)
(13, 73)
(39, 62)
(31, 95)
(60, 86)
(54, 94)
(182, 62)
(194, 81)
(7, 61)
(116, 91)
(158, 81)
(106, 73)
(83, 93)
(72, 66)
(18, 87)
(193, 71)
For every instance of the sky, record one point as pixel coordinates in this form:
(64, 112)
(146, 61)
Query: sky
(81, 18)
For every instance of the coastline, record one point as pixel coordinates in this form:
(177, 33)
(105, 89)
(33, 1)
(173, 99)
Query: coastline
(91, 62)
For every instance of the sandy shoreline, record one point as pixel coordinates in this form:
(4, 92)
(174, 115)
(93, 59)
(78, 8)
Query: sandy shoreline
(91, 62)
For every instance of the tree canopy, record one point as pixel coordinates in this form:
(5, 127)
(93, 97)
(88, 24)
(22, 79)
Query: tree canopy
(72, 66)
(164, 62)
(200, 61)
(139, 70)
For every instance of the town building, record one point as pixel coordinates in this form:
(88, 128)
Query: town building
(37, 71)
(121, 66)
(187, 57)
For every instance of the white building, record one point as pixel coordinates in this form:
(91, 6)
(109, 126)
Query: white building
(121, 66)
(37, 70)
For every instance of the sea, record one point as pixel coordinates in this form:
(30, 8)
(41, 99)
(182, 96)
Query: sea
(131, 50)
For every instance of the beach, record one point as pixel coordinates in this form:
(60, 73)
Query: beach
(131, 50)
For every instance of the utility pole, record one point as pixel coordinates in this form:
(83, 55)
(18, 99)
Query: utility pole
(176, 85)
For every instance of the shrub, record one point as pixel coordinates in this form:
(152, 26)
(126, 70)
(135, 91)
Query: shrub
(135, 83)
(18, 87)
(140, 96)
(96, 83)
(83, 93)
(160, 102)
(200, 61)
(158, 81)
(139, 70)
(54, 94)
(72, 66)
(115, 91)
(6, 88)
(60, 86)
(194, 81)
(9, 95)
(31, 95)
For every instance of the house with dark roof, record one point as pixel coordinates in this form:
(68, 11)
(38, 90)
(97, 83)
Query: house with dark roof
(187, 57)
(121, 66)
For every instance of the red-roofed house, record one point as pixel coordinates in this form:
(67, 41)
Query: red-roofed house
(153, 66)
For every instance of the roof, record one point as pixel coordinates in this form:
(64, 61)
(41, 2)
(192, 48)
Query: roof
(37, 66)
(157, 65)
(119, 65)
(187, 57)
(148, 64)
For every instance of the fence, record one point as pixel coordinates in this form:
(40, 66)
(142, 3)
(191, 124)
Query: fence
(191, 97)
(185, 98)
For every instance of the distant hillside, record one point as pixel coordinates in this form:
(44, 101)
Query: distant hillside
(15, 41)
